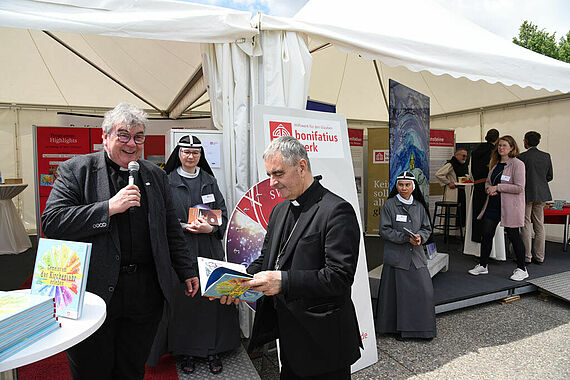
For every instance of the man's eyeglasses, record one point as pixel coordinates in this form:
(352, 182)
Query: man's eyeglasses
(125, 138)
(189, 153)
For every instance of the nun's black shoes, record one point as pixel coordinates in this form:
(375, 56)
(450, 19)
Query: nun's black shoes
(188, 364)
(215, 364)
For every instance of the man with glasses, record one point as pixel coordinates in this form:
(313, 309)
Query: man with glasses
(136, 239)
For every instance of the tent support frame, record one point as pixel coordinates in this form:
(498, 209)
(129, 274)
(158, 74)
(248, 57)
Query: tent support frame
(62, 43)
(381, 85)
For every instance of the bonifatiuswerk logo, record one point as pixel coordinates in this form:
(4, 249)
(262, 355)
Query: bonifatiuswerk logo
(279, 128)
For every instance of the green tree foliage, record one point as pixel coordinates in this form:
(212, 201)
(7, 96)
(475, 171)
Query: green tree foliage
(542, 42)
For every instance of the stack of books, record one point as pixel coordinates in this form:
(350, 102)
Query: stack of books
(24, 319)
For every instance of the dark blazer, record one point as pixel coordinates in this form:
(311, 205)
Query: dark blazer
(538, 173)
(317, 328)
(480, 158)
(78, 209)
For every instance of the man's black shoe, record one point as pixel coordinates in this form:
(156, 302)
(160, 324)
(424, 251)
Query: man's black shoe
(535, 261)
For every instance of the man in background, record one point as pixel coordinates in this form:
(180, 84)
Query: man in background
(538, 173)
(136, 239)
(449, 174)
(480, 158)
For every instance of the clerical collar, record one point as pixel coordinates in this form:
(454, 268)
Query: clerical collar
(113, 164)
(307, 194)
(405, 201)
(185, 174)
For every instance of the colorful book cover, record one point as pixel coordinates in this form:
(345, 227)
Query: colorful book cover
(61, 272)
(231, 284)
(218, 278)
(17, 304)
(213, 217)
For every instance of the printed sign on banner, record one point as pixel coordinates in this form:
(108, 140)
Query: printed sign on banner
(325, 136)
(319, 136)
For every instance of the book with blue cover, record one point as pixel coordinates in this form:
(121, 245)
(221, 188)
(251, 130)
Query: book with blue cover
(18, 305)
(60, 271)
(35, 335)
(25, 320)
(219, 278)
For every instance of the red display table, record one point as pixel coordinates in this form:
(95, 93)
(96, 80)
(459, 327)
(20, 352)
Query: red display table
(559, 217)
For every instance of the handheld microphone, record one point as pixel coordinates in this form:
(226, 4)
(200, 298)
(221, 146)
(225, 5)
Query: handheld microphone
(133, 170)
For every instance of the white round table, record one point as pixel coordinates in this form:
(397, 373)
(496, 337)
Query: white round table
(72, 331)
(13, 236)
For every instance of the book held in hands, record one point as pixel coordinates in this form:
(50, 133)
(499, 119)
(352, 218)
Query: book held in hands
(213, 217)
(219, 278)
(60, 272)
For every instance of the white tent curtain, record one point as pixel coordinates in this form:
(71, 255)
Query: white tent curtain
(226, 71)
(285, 67)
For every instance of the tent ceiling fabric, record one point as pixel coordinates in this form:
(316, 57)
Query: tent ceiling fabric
(350, 82)
(38, 70)
(154, 19)
(418, 43)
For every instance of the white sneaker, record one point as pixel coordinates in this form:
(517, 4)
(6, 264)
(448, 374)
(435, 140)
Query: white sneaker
(478, 270)
(519, 274)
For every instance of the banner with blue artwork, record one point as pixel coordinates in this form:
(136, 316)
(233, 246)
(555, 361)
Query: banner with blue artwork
(409, 134)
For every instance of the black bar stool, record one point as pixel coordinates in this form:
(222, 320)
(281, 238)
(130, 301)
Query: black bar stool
(445, 213)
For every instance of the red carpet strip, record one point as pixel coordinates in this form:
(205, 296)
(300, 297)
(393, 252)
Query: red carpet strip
(56, 368)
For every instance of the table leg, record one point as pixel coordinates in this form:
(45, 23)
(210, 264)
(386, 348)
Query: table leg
(565, 249)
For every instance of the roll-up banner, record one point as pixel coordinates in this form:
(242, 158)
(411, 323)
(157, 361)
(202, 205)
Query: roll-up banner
(325, 136)
(378, 176)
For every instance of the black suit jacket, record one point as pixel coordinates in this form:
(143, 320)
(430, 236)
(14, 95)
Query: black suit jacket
(78, 209)
(313, 316)
(538, 168)
(480, 158)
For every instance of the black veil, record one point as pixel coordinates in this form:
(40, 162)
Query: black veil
(188, 141)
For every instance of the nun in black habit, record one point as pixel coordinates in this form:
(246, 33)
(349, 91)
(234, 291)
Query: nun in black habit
(405, 304)
(196, 327)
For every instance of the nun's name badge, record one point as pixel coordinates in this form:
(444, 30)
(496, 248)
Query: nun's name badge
(208, 198)
(401, 218)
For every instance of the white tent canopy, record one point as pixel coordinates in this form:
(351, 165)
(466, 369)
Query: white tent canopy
(86, 61)
(458, 64)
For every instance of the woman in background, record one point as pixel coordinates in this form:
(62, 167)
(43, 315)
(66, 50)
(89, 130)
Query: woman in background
(405, 305)
(505, 204)
(197, 327)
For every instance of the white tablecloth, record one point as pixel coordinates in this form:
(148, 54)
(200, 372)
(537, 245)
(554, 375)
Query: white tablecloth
(13, 236)
(470, 247)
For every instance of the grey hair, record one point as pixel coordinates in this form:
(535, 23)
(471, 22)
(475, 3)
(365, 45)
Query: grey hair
(124, 113)
(290, 148)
